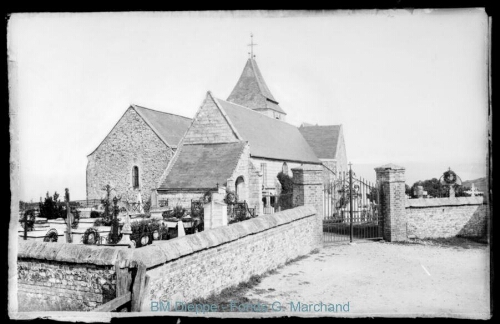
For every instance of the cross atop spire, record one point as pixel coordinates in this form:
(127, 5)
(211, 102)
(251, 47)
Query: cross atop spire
(252, 44)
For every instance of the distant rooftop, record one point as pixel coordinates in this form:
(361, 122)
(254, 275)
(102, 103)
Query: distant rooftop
(169, 127)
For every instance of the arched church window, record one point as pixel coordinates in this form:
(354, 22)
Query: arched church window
(285, 168)
(135, 177)
(239, 184)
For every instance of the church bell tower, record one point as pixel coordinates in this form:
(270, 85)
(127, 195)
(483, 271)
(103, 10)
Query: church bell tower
(251, 91)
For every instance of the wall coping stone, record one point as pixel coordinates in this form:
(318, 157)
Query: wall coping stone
(163, 251)
(315, 167)
(389, 166)
(73, 253)
(220, 235)
(438, 202)
(153, 252)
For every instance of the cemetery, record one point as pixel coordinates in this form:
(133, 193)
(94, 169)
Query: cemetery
(111, 222)
(179, 209)
(136, 252)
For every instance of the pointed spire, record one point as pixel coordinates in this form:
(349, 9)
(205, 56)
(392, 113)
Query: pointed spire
(251, 90)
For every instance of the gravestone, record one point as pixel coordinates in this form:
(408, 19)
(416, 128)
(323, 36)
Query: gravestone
(473, 192)
(450, 179)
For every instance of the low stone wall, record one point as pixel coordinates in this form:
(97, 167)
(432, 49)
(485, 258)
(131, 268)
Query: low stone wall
(446, 217)
(65, 277)
(55, 277)
(196, 266)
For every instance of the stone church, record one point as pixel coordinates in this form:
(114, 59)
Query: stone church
(135, 153)
(240, 144)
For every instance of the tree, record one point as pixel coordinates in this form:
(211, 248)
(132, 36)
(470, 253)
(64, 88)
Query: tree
(435, 189)
(408, 190)
(285, 200)
(372, 196)
(51, 208)
(460, 190)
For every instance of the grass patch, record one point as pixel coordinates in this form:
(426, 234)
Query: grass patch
(229, 299)
(301, 257)
(456, 241)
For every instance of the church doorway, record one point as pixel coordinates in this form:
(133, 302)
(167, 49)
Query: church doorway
(240, 188)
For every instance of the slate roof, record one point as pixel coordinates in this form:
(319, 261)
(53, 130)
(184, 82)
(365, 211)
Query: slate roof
(251, 90)
(169, 127)
(268, 137)
(202, 166)
(322, 139)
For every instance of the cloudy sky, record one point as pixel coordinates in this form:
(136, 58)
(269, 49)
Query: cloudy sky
(409, 87)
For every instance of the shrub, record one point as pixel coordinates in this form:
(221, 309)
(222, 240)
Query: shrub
(207, 197)
(95, 214)
(285, 200)
(238, 217)
(102, 222)
(231, 197)
(51, 208)
(198, 215)
(76, 217)
(28, 219)
(178, 211)
(143, 228)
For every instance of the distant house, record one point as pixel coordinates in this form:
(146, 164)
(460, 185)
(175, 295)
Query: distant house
(328, 144)
(135, 153)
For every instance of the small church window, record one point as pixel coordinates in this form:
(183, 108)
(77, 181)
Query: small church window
(135, 177)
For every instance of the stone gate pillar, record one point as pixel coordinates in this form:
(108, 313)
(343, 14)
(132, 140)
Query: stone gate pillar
(391, 186)
(308, 190)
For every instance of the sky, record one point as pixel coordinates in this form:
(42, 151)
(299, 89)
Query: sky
(409, 87)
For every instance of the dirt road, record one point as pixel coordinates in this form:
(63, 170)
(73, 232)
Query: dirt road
(382, 279)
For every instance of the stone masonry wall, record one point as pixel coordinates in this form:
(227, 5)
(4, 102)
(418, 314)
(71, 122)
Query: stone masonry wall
(447, 217)
(209, 126)
(329, 165)
(198, 265)
(53, 286)
(131, 143)
(252, 189)
(255, 189)
(308, 191)
(241, 170)
(65, 277)
(391, 185)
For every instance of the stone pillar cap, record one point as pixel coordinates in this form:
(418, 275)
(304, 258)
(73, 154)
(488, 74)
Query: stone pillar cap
(389, 166)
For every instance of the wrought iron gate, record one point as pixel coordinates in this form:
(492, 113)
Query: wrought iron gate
(351, 209)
